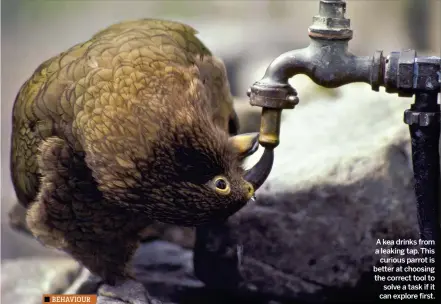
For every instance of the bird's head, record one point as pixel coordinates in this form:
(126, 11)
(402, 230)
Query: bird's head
(196, 175)
(188, 176)
(168, 157)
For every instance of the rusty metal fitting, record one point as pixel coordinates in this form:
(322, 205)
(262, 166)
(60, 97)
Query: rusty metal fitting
(391, 72)
(422, 119)
(273, 99)
(331, 23)
(269, 134)
(405, 73)
(405, 79)
(274, 96)
(427, 75)
(377, 70)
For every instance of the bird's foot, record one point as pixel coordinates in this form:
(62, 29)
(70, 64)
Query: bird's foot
(125, 292)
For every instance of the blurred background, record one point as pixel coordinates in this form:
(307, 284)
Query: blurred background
(247, 35)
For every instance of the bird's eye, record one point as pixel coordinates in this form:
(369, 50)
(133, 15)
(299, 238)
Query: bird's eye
(222, 186)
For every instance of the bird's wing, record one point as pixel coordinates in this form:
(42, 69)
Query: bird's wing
(50, 101)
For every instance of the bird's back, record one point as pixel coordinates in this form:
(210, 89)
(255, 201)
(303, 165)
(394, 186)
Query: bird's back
(66, 89)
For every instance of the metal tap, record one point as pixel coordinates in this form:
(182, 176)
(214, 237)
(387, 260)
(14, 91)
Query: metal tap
(328, 63)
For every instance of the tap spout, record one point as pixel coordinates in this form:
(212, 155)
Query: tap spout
(327, 62)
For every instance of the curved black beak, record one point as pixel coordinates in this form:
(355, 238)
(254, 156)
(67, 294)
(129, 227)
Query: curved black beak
(257, 175)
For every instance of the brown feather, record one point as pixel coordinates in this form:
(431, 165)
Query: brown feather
(124, 129)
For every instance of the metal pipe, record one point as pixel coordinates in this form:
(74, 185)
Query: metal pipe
(328, 63)
(426, 164)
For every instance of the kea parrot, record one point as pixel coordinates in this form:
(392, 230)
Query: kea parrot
(135, 125)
